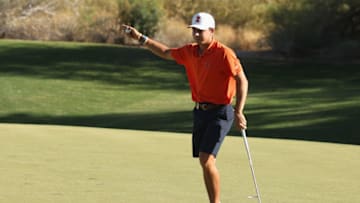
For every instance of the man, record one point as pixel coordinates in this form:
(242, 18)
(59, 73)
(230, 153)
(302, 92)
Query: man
(215, 76)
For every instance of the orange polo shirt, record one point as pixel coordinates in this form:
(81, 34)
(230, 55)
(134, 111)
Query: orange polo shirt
(210, 75)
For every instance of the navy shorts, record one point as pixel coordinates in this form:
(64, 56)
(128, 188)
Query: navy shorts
(210, 128)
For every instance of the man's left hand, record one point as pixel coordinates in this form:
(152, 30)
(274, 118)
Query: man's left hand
(240, 120)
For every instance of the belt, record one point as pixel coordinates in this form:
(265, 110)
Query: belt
(206, 106)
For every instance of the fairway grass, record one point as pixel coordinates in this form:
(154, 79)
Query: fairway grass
(111, 86)
(59, 164)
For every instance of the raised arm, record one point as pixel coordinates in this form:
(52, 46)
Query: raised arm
(154, 46)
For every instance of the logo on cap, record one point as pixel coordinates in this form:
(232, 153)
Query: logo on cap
(198, 19)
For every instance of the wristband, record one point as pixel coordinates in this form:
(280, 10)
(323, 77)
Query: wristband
(143, 39)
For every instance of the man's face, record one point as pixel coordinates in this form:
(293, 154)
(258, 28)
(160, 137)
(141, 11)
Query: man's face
(202, 36)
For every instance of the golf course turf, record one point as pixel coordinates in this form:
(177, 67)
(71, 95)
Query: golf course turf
(135, 113)
(42, 163)
(129, 88)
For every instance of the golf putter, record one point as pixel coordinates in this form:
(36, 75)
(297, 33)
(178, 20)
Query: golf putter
(243, 133)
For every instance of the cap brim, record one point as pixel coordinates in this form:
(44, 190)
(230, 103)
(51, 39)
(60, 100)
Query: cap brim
(198, 27)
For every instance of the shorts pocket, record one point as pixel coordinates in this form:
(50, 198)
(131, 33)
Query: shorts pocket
(226, 113)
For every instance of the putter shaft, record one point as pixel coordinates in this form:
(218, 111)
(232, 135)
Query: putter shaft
(251, 167)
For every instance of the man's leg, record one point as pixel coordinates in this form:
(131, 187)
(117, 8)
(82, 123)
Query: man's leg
(211, 176)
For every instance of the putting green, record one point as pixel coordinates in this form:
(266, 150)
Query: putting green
(79, 164)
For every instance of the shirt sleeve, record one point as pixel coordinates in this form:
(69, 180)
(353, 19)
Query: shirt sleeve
(232, 62)
(180, 54)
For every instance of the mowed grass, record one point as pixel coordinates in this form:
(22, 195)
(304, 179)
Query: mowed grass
(81, 164)
(89, 84)
(128, 88)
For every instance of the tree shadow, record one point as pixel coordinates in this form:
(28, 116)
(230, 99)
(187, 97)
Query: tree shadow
(340, 130)
(325, 125)
(164, 121)
(115, 65)
(288, 99)
(305, 100)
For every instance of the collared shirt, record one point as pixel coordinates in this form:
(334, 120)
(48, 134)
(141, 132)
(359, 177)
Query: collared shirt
(210, 75)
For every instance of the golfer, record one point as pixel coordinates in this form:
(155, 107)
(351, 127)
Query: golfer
(215, 76)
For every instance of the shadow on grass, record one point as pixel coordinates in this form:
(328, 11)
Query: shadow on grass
(340, 130)
(113, 65)
(304, 100)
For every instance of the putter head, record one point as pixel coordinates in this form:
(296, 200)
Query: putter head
(253, 196)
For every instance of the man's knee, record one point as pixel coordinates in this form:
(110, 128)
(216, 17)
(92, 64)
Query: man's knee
(206, 160)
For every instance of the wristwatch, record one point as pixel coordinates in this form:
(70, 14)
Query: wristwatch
(143, 39)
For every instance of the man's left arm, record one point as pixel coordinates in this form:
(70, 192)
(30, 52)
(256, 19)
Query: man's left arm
(241, 95)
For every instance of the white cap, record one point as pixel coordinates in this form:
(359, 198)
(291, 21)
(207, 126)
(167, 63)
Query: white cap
(202, 21)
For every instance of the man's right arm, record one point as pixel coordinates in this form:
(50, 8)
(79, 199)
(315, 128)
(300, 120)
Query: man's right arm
(156, 47)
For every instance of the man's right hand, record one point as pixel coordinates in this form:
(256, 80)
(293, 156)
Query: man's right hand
(131, 32)
(156, 47)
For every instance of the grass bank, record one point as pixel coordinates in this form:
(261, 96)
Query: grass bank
(129, 88)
